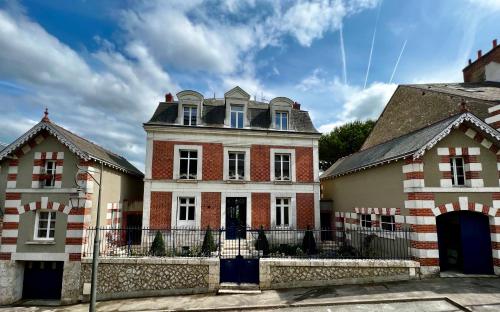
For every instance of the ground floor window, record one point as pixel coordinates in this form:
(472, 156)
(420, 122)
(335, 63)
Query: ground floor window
(366, 220)
(45, 225)
(283, 212)
(186, 209)
(387, 223)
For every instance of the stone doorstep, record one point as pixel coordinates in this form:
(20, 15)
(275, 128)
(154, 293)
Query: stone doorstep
(243, 288)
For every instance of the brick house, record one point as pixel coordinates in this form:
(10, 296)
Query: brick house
(230, 162)
(43, 235)
(432, 164)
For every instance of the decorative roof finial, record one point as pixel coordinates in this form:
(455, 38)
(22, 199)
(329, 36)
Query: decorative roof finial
(46, 115)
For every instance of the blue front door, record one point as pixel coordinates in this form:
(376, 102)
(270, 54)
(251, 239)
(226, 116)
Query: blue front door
(236, 214)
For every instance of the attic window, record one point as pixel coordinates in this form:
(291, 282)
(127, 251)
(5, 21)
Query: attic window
(281, 120)
(237, 112)
(190, 113)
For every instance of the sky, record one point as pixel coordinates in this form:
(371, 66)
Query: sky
(101, 67)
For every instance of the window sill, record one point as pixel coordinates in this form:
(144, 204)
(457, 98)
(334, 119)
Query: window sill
(187, 181)
(41, 242)
(235, 181)
(283, 182)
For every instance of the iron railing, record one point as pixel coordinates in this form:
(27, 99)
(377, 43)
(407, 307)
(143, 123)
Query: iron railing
(358, 243)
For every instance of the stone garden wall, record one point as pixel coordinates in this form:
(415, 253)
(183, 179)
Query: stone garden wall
(142, 277)
(292, 273)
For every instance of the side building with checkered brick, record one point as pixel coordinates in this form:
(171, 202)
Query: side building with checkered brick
(42, 233)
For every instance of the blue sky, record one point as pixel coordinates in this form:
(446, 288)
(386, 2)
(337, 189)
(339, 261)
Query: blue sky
(101, 67)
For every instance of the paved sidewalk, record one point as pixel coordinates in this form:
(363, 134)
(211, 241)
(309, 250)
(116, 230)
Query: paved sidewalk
(466, 294)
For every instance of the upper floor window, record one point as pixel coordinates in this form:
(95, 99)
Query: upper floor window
(236, 165)
(45, 225)
(187, 209)
(50, 172)
(188, 168)
(387, 223)
(283, 212)
(281, 120)
(457, 171)
(366, 220)
(190, 114)
(237, 112)
(282, 167)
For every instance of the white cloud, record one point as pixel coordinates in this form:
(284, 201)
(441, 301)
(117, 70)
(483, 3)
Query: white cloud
(486, 4)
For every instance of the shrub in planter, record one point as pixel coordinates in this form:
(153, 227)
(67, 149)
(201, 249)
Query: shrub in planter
(309, 242)
(158, 246)
(208, 243)
(261, 243)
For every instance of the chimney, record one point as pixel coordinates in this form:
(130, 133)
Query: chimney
(495, 43)
(169, 98)
(494, 119)
(470, 61)
(296, 105)
(479, 54)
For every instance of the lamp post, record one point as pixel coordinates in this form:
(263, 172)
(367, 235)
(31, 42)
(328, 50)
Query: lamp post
(95, 255)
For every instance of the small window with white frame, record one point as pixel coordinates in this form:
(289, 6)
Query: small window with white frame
(387, 223)
(281, 120)
(282, 168)
(190, 114)
(236, 166)
(45, 225)
(50, 173)
(187, 209)
(457, 171)
(366, 220)
(237, 116)
(282, 212)
(188, 168)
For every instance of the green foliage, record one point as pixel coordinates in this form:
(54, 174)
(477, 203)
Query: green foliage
(343, 141)
(309, 242)
(208, 243)
(369, 250)
(261, 243)
(158, 246)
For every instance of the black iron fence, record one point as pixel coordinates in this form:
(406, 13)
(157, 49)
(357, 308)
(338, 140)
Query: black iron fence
(359, 243)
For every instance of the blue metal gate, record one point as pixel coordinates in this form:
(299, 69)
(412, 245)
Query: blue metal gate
(238, 264)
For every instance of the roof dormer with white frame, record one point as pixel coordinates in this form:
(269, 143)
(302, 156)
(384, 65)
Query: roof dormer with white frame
(280, 109)
(236, 108)
(190, 106)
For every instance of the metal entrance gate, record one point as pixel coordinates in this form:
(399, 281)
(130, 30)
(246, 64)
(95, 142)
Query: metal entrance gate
(239, 262)
(42, 279)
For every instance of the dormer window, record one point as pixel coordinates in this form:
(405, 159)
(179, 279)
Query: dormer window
(281, 120)
(190, 114)
(237, 116)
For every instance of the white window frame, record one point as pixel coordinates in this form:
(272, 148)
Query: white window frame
(242, 112)
(190, 114)
(175, 222)
(363, 223)
(454, 174)
(53, 170)
(392, 223)
(177, 161)
(292, 210)
(275, 151)
(37, 220)
(281, 113)
(280, 209)
(230, 149)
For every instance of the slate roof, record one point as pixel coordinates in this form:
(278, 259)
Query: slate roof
(486, 91)
(2, 146)
(412, 144)
(214, 111)
(83, 148)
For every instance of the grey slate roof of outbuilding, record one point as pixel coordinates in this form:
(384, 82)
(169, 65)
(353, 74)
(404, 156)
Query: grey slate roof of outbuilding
(214, 111)
(400, 147)
(486, 91)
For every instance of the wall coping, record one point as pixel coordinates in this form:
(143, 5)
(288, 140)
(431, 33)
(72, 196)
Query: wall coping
(151, 260)
(341, 262)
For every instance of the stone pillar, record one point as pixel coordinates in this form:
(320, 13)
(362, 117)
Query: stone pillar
(70, 292)
(11, 281)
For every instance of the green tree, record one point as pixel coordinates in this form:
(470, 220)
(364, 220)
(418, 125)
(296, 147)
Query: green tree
(343, 141)
(309, 242)
(158, 246)
(208, 243)
(261, 243)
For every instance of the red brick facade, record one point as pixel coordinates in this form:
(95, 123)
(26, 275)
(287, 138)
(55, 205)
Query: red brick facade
(163, 160)
(213, 161)
(260, 165)
(210, 210)
(161, 208)
(304, 164)
(261, 209)
(305, 210)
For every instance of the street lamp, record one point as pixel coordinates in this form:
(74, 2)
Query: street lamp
(79, 200)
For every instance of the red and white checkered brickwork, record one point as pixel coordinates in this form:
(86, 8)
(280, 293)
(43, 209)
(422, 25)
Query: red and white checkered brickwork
(472, 166)
(39, 164)
(113, 215)
(351, 220)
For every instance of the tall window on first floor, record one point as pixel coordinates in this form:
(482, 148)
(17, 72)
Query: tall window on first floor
(188, 169)
(282, 167)
(190, 114)
(366, 220)
(457, 171)
(187, 209)
(387, 223)
(50, 172)
(282, 212)
(236, 165)
(45, 225)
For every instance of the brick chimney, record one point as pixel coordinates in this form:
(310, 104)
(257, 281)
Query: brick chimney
(494, 119)
(296, 105)
(486, 67)
(169, 98)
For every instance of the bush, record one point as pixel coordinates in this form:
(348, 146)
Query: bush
(261, 243)
(208, 243)
(158, 246)
(309, 243)
(369, 250)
